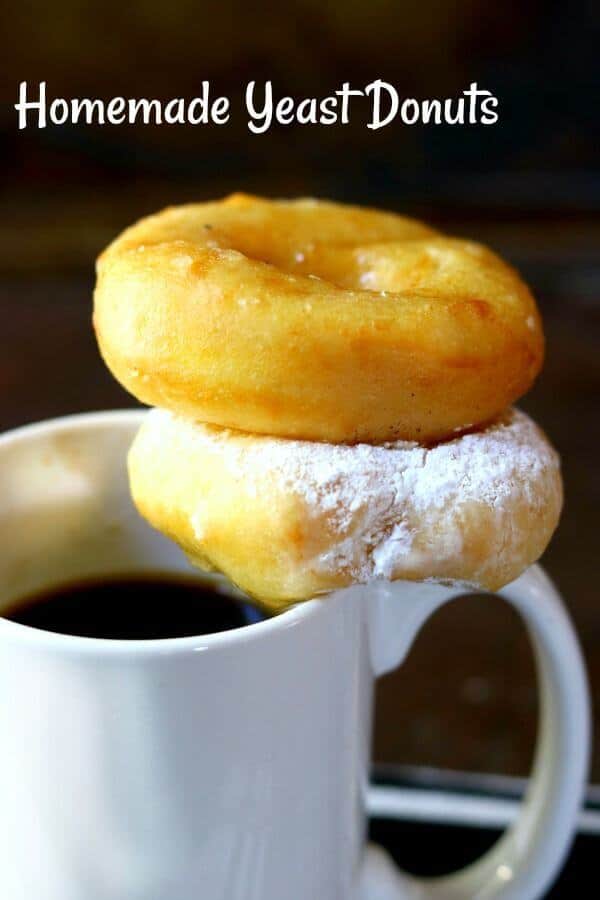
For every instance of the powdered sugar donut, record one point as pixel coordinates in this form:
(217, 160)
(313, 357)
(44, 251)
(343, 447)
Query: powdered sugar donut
(288, 519)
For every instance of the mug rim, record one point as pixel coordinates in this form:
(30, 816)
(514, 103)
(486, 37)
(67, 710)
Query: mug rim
(289, 618)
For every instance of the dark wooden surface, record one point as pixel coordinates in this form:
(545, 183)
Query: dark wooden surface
(465, 698)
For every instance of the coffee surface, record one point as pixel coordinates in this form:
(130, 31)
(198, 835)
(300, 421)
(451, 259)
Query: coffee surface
(134, 608)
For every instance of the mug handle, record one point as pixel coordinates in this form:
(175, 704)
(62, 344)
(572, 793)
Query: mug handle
(525, 860)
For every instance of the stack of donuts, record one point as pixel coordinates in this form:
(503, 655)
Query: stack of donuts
(333, 390)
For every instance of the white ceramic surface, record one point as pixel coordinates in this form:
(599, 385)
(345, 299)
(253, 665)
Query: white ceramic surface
(229, 766)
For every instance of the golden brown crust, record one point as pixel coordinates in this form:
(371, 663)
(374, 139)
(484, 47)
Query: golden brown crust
(314, 320)
(287, 519)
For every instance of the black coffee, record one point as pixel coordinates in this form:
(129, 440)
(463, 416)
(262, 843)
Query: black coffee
(134, 608)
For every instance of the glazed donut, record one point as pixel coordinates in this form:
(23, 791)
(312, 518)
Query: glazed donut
(287, 519)
(314, 320)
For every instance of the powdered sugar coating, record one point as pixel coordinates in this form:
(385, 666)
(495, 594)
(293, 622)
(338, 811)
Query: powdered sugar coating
(460, 510)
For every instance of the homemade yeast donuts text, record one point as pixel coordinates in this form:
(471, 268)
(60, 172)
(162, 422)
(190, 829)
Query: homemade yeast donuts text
(314, 320)
(287, 519)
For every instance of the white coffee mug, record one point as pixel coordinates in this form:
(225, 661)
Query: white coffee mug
(231, 766)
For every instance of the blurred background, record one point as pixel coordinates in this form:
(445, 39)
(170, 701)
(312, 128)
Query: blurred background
(528, 186)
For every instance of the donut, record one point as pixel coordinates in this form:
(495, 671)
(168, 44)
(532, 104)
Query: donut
(286, 519)
(315, 321)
